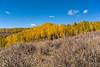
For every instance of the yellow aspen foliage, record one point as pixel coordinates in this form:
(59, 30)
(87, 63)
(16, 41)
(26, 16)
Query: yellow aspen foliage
(49, 31)
(10, 39)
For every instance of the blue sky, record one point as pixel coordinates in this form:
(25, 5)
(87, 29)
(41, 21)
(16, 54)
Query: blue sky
(27, 13)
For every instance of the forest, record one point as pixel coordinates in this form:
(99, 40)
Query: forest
(46, 31)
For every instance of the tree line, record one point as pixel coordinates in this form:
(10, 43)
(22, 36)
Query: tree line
(50, 31)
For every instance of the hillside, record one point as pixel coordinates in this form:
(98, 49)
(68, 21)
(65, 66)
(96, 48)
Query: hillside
(75, 51)
(49, 31)
(4, 32)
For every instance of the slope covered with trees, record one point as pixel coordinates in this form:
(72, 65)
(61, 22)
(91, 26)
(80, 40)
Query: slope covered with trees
(51, 31)
(4, 32)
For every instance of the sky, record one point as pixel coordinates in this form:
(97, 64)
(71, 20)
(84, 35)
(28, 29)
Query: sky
(28, 13)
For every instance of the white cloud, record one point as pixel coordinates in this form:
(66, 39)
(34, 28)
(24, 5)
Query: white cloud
(7, 12)
(73, 12)
(33, 25)
(85, 11)
(51, 16)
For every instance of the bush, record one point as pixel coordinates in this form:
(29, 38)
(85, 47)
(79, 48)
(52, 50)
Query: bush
(77, 51)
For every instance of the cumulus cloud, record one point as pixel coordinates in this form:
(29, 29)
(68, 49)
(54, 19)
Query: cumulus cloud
(73, 12)
(51, 16)
(33, 25)
(7, 12)
(85, 11)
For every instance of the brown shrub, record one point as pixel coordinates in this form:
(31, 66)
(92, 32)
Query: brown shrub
(77, 51)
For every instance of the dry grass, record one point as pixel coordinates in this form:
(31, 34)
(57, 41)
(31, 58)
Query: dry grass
(77, 51)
